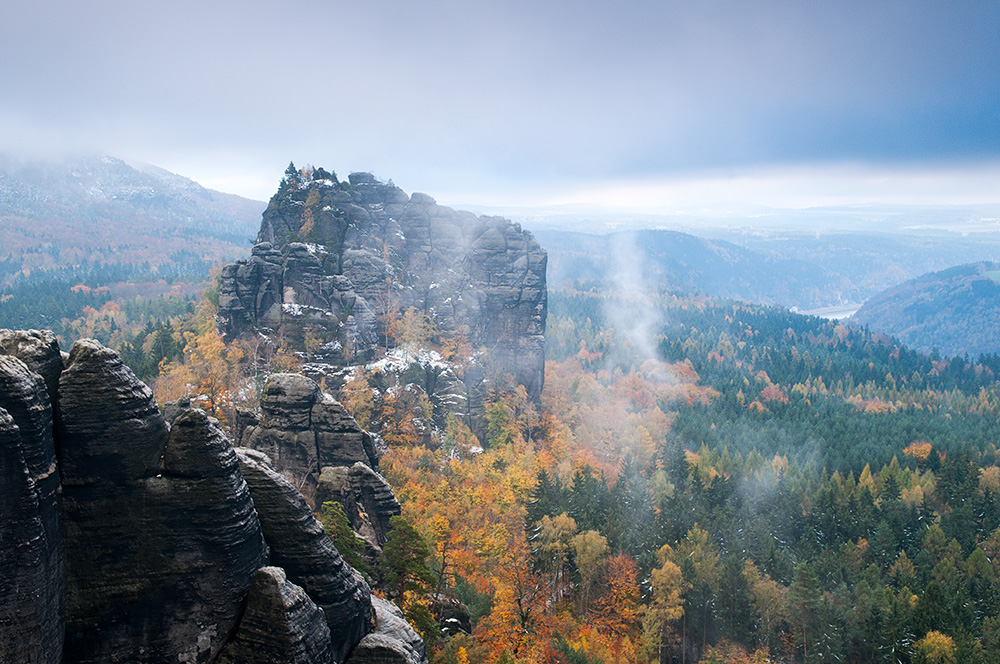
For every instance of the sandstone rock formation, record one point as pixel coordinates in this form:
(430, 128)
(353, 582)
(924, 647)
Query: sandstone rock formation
(311, 439)
(148, 506)
(34, 504)
(392, 641)
(368, 500)
(300, 546)
(280, 624)
(155, 550)
(302, 429)
(30, 618)
(39, 350)
(335, 261)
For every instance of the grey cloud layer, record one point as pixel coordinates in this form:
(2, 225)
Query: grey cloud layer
(514, 90)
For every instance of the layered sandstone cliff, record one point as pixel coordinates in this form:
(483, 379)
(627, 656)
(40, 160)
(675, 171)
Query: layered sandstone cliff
(336, 261)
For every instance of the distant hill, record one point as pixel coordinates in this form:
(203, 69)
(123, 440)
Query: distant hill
(956, 311)
(81, 234)
(874, 261)
(792, 269)
(673, 261)
(73, 216)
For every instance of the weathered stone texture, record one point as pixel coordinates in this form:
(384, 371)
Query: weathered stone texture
(31, 625)
(392, 641)
(156, 549)
(301, 429)
(334, 256)
(24, 396)
(162, 530)
(366, 497)
(39, 350)
(301, 547)
(280, 625)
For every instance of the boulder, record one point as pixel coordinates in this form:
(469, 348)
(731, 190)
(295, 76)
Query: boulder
(367, 498)
(452, 614)
(302, 429)
(392, 641)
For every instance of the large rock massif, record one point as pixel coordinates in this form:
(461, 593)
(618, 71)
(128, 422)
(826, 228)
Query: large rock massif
(125, 538)
(336, 261)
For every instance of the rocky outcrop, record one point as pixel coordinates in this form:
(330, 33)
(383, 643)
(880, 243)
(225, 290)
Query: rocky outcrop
(336, 261)
(31, 628)
(367, 499)
(125, 539)
(392, 641)
(25, 399)
(280, 624)
(303, 429)
(310, 438)
(166, 535)
(300, 546)
(39, 350)
(452, 614)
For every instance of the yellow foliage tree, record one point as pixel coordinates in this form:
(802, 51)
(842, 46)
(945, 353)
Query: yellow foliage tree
(590, 549)
(935, 648)
(666, 606)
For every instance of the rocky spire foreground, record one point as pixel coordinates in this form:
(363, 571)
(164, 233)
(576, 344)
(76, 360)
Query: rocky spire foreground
(127, 539)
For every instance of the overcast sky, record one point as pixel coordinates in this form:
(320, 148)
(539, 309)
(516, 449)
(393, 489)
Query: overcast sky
(524, 103)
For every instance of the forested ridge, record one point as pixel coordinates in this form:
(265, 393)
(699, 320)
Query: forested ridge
(953, 310)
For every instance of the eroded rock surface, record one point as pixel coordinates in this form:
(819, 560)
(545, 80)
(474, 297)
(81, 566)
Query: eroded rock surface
(31, 625)
(302, 429)
(368, 500)
(336, 260)
(280, 624)
(165, 533)
(39, 350)
(392, 641)
(155, 550)
(25, 398)
(300, 546)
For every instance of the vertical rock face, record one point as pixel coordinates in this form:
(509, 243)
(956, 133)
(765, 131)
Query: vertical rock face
(302, 429)
(366, 497)
(311, 439)
(148, 508)
(25, 398)
(39, 350)
(30, 619)
(336, 260)
(392, 641)
(300, 546)
(111, 430)
(155, 551)
(280, 624)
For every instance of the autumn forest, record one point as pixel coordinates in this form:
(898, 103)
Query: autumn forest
(744, 485)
